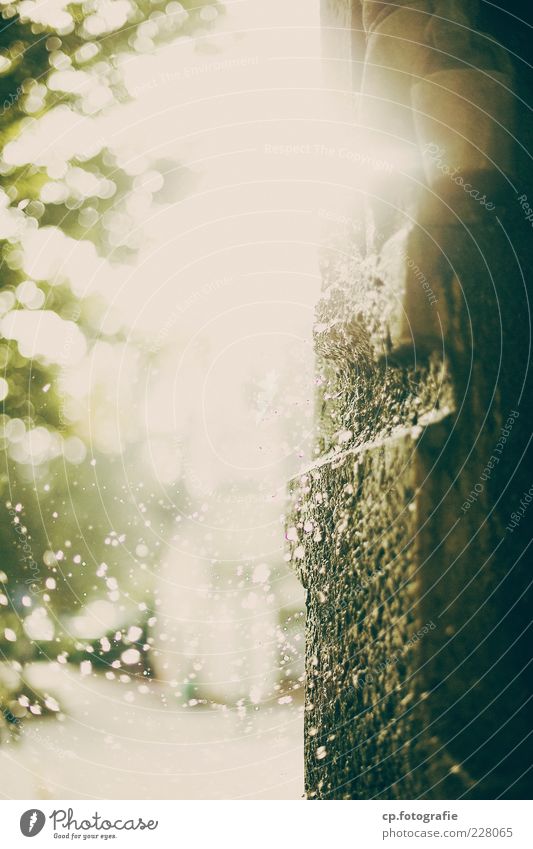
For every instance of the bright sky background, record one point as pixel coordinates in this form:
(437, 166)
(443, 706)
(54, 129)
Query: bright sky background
(226, 277)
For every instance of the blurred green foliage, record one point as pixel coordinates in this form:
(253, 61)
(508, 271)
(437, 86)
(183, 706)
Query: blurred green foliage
(55, 532)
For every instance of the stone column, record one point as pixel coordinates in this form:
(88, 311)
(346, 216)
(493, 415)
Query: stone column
(410, 532)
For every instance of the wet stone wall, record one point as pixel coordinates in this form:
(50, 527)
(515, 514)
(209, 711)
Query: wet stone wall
(410, 531)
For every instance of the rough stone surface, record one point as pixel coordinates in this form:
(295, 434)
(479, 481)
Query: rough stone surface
(419, 607)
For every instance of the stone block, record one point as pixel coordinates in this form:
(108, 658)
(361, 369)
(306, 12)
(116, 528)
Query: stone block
(465, 122)
(413, 265)
(409, 532)
(417, 681)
